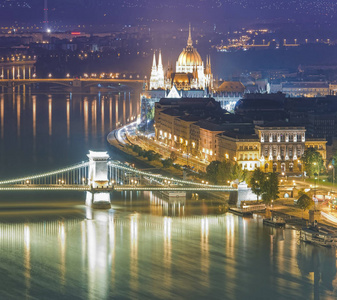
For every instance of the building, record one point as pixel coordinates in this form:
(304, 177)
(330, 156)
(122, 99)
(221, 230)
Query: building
(228, 94)
(203, 140)
(302, 89)
(190, 72)
(273, 147)
(199, 127)
(282, 146)
(240, 147)
(174, 117)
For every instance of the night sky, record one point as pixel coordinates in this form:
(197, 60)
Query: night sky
(137, 11)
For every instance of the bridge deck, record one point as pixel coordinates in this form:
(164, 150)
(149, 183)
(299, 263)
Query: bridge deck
(119, 188)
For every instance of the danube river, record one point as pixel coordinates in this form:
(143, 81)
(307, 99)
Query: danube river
(145, 247)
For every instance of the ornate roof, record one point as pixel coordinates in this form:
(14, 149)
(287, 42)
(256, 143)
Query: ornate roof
(231, 87)
(189, 56)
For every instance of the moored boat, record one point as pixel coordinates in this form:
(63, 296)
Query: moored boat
(318, 236)
(274, 222)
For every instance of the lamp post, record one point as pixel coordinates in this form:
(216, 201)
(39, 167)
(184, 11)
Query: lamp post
(333, 174)
(315, 188)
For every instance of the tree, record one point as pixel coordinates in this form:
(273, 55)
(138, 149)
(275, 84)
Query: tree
(304, 202)
(257, 182)
(150, 114)
(238, 173)
(213, 171)
(168, 162)
(173, 156)
(270, 189)
(312, 161)
(219, 172)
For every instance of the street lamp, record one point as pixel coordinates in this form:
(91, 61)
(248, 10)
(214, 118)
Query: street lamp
(315, 187)
(333, 174)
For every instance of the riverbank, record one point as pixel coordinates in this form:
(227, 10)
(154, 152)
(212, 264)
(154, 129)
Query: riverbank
(131, 156)
(282, 207)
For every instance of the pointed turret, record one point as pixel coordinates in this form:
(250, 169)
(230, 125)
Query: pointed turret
(160, 72)
(154, 74)
(154, 64)
(189, 41)
(160, 61)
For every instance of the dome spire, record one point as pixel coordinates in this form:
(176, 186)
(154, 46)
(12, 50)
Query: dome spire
(189, 41)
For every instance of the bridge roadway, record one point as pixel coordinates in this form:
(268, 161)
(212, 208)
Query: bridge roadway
(68, 81)
(117, 188)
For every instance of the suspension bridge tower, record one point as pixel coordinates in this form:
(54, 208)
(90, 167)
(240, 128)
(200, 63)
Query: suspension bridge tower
(98, 179)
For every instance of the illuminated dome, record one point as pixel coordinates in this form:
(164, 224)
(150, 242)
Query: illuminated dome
(189, 57)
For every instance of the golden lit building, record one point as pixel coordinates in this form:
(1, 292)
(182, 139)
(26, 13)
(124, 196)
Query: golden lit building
(190, 72)
(203, 139)
(271, 148)
(244, 149)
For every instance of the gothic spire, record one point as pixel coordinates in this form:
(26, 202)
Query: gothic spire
(160, 62)
(154, 65)
(189, 41)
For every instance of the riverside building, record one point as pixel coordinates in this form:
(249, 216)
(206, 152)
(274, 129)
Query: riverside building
(200, 128)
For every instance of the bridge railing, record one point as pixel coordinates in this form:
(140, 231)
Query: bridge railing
(76, 174)
(160, 179)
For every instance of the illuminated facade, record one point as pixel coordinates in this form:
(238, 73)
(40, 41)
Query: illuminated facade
(271, 148)
(243, 149)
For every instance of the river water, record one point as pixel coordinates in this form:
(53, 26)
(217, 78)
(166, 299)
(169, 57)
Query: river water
(145, 247)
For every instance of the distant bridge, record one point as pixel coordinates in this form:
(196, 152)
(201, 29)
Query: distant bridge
(99, 176)
(69, 82)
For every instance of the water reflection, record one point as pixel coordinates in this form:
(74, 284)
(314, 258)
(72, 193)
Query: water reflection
(134, 253)
(72, 123)
(204, 245)
(2, 114)
(318, 265)
(164, 206)
(94, 118)
(68, 118)
(18, 114)
(50, 114)
(34, 115)
(27, 265)
(120, 254)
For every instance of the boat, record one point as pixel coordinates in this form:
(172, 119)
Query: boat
(274, 222)
(318, 236)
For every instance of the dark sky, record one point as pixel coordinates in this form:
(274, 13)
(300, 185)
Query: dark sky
(110, 11)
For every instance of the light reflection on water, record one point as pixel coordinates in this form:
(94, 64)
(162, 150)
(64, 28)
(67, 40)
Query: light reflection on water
(121, 254)
(45, 131)
(146, 247)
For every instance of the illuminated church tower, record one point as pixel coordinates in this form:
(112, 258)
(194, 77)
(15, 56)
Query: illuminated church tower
(160, 72)
(154, 74)
(157, 79)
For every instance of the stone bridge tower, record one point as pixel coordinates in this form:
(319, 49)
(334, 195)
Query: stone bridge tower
(98, 179)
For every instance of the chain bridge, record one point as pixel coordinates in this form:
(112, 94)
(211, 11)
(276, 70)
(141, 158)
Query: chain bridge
(99, 176)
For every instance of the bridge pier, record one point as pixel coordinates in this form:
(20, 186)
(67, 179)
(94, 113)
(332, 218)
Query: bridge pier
(98, 178)
(242, 195)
